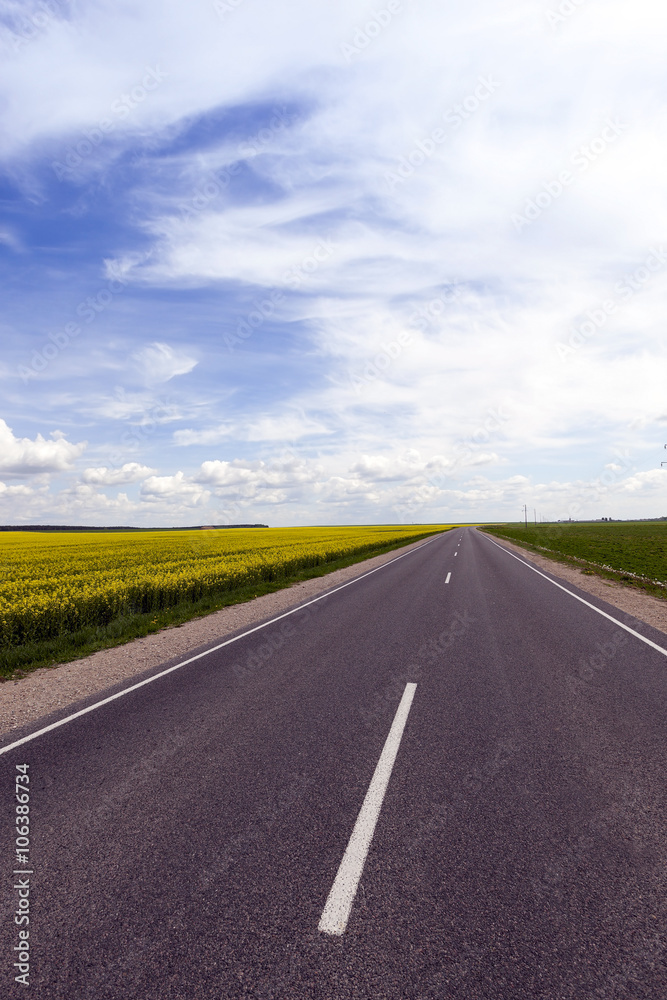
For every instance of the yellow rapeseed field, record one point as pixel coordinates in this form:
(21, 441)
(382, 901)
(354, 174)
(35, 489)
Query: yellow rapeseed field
(56, 582)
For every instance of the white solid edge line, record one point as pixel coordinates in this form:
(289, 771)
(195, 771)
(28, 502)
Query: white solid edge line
(638, 635)
(191, 659)
(337, 909)
(448, 578)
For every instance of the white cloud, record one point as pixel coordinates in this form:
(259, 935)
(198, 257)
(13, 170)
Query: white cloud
(380, 468)
(84, 500)
(204, 436)
(218, 473)
(130, 472)
(157, 489)
(277, 427)
(78, 504)
(15, 491)
(250, 477)
(11, 240)
(77, 70)
(159, 362)
(138, 409)
(653, 480)
(23, 456)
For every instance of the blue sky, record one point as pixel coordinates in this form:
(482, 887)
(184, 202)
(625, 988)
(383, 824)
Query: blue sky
(328, 264)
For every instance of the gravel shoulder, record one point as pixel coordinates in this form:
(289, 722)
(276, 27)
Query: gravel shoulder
(644, 607)
(50, 689)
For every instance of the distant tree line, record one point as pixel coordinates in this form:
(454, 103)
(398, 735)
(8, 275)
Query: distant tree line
(85, 527)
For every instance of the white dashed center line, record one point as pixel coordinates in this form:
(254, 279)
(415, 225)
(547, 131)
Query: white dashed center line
(449, 576)
(336, 912)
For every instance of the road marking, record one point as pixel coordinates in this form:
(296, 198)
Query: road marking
(337, 909)
(456, 553)
(638, 635)
(448, 578)
(213, 649)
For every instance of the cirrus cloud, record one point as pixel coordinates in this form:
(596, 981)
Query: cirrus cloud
(160, 363)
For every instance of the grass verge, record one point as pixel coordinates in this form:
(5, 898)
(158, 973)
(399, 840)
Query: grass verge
(18, 661)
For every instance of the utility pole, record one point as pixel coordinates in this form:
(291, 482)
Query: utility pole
(663, 463)
(535, 515)
(525, 511)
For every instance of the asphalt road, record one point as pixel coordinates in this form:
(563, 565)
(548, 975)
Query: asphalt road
(185, 837)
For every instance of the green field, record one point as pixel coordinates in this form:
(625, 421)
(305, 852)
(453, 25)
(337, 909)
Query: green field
(634, 552)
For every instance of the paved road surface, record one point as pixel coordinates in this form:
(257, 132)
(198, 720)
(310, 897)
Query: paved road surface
(185, 837)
